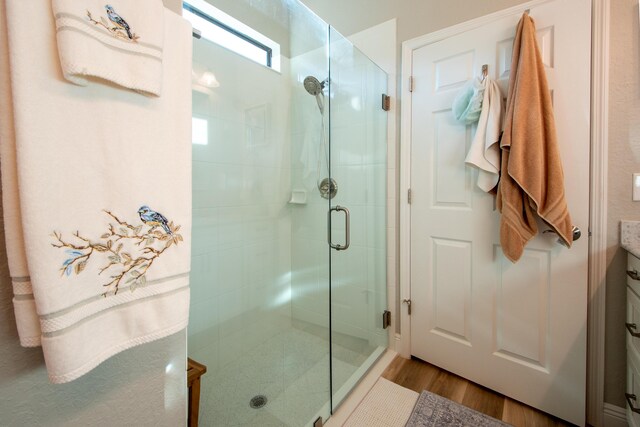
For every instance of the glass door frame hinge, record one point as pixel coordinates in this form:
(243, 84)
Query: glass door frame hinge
(410, 83)
(386, 102)
(386, 319)
(409, 196)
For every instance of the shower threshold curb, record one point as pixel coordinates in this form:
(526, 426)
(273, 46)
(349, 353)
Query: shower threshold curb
(349, 404)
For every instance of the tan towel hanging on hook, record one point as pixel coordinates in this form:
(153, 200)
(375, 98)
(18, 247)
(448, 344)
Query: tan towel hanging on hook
(532, 180)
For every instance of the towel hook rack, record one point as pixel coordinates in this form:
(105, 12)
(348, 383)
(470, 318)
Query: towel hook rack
(485, 71)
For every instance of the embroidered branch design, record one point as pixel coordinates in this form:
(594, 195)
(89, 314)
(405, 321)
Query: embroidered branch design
(116, 25)
(128, 251)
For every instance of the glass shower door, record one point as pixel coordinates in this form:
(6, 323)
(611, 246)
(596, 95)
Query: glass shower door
(357, 218)
(259, 316)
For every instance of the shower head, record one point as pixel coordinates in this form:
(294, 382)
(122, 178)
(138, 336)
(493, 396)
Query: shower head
(313, 85)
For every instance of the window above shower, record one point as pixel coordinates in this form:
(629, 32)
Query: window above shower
(221, 28)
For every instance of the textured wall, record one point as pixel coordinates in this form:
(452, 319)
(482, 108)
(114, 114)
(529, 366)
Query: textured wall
(624, 159)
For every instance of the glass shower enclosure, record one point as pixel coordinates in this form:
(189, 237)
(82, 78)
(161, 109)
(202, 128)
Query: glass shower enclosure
(289, 232)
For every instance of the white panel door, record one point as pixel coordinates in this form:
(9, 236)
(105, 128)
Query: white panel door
(519, 329)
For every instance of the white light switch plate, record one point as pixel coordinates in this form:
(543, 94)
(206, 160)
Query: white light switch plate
(636, 187)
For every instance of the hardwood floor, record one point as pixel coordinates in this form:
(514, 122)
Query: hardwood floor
(418, 375)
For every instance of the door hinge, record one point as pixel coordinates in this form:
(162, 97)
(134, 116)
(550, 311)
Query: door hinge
(410, 83)
(409, 196)
(408, 302)
(386, 319)
(386, 102)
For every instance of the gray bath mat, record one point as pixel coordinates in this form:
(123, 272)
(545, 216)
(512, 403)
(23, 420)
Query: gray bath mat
(437, 411)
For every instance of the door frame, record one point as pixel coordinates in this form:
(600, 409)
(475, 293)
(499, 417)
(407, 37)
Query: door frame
(597, 265)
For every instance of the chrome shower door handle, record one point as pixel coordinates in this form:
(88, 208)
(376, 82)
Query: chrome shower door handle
(347, 221)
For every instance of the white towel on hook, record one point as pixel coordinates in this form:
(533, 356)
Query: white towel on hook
(119, 41)
(484, 153)
(77, 175)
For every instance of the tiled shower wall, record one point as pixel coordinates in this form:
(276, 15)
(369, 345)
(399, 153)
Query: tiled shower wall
(241, 258)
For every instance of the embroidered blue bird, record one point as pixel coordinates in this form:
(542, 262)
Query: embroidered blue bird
(117, 19)
(153, 218)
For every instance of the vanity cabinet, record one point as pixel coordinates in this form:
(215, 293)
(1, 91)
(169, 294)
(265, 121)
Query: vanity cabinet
(633, 341)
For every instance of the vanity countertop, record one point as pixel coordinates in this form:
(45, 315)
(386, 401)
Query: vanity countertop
(630, 237)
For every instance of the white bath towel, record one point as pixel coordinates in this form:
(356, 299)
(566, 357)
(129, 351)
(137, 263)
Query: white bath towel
(23, 302)
(120, 41)
(484, 153)
(95, 166)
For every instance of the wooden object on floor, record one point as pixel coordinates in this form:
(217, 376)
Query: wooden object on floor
(418, 375)
(194, 371)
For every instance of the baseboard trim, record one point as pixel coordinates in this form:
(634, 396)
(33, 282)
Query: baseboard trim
(614, 416)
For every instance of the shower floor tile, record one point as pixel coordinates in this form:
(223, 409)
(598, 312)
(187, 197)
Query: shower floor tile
(291, 369)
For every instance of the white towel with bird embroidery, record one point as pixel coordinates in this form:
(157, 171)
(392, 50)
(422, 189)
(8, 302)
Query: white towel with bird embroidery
(96, 187)
(116, 40)
(484, 153)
